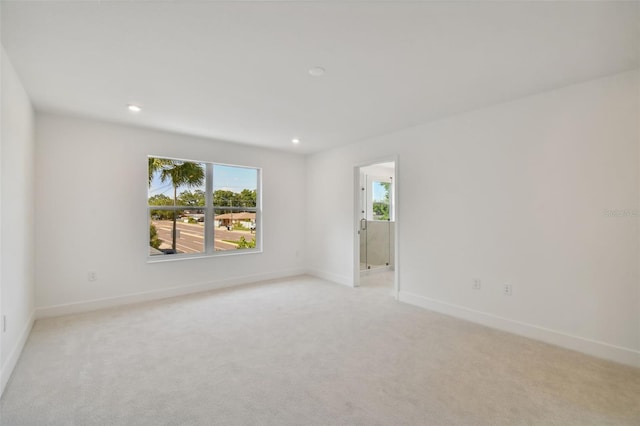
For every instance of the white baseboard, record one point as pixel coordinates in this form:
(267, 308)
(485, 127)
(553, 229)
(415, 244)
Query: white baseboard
(338, 279)
(368, 272)
(14, 355)
(95, 304)
(591, 347)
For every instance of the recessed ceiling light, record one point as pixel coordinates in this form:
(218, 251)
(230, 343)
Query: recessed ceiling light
(134, 108)
(295, 141)
(317, 71)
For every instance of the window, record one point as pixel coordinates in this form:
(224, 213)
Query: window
(197, 208)
(381, 200)
(378, 197)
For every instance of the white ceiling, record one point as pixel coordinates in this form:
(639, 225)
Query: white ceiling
(238, 71)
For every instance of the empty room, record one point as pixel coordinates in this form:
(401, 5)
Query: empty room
(320, 213)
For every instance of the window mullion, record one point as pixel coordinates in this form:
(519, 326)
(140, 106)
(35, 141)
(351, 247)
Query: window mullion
(208, 211)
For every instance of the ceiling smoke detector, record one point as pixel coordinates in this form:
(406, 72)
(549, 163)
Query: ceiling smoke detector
(316, 71)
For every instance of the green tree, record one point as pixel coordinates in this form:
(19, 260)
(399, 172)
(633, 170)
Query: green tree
(223, 198)
(179, 174)
(381, 208)
(154, 241)
(247, 198)
(192, 199)
(161, 200)
(244, 244)
(156, 164)
(387, 190)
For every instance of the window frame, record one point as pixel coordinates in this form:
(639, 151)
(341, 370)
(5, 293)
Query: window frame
(209, 215)
(370, 181)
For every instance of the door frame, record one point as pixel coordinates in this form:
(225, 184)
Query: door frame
(356, 219)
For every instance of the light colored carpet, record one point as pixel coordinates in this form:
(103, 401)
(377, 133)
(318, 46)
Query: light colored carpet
(304, 352)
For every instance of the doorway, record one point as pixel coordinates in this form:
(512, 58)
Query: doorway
(376, 224)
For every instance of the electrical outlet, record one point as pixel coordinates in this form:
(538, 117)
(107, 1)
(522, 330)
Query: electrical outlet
(477, 284)
(507, 289)
(92, 275)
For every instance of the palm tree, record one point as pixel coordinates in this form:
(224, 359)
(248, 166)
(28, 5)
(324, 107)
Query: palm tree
(156, 164)
(181, 173)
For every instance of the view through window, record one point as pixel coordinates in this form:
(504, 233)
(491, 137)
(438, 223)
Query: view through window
(201, 208)
(381, 200)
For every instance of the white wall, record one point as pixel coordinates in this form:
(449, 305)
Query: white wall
(91, 215)
(16, 218)
(515, 193)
